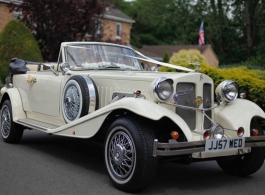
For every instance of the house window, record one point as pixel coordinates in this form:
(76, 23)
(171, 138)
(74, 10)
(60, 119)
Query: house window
(118, 30)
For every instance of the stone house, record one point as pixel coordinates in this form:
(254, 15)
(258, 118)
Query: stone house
(157, 52)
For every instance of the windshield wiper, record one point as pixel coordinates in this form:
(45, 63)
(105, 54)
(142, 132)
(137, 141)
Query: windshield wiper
(109, 68)
(130, 69)
(112, 66)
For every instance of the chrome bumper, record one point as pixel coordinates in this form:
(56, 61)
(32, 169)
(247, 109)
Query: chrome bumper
(179, 148)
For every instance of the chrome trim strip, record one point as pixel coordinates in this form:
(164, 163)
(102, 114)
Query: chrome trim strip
(259, 144)
(92, 94)
(255, 141)
(181, 144)
(255, 138)
(119, 96)
(179, 152)
(192, 108)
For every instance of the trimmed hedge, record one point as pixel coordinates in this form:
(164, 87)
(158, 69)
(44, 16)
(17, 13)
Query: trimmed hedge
(17, 41)
(250, 81)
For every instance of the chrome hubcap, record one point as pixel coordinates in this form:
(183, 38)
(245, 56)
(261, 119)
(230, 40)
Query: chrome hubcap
(121, 154)
(118, 154)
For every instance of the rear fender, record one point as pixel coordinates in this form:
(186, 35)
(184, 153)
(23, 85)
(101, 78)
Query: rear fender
(238, 114)
(15, 99)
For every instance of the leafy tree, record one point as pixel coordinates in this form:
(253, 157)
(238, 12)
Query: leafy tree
(249, 12)
(161, 21)
(259, 48)
(17, 41)
(55, 21)
(234, 28)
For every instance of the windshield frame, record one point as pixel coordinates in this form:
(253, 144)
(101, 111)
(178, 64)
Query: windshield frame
(101, 57)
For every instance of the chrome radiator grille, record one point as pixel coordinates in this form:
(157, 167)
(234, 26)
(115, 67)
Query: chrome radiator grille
(207, 103)
(187, 95)
(186, 92)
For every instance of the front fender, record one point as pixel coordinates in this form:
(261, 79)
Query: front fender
(238, 114)
(153, 111)
(138, 106)
(15, 99)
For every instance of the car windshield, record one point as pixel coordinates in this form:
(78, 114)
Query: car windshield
(101, 57)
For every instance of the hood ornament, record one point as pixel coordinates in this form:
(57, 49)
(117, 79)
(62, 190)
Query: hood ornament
(198, 66)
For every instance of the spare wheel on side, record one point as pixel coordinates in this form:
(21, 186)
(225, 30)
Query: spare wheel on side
(80, 97)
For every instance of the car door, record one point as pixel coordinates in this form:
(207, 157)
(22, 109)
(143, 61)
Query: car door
(42, 95)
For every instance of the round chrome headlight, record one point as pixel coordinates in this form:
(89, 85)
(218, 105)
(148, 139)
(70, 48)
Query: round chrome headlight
(163, 89)
(227, 91)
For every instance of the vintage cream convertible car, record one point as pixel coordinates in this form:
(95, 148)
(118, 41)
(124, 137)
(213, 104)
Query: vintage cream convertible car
(100, 91)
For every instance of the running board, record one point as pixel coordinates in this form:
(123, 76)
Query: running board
(31, 123)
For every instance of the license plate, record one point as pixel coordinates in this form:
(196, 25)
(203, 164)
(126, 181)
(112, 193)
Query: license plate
(212, 145)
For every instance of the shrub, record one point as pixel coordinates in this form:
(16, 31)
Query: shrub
(250, 81)
(17, 41)
(166, 57)
(185, 58)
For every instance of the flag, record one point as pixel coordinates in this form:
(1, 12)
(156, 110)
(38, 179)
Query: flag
(201, 35)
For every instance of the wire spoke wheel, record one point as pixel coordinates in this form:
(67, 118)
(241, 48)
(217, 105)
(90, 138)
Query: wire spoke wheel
(72, 102)
(121, 154)
(11, 132)
(6, 121)
(129, 154)
(79, 98)
(75, 99)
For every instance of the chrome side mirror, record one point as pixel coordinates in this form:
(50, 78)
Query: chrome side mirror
(66, 67)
